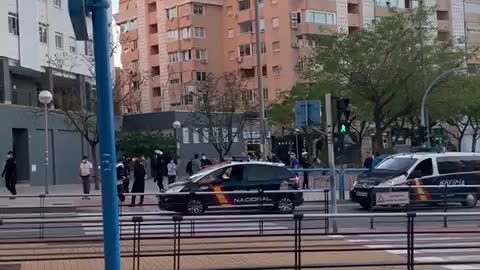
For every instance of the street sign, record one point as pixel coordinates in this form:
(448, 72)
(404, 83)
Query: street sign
(308, 113)
(392, 198)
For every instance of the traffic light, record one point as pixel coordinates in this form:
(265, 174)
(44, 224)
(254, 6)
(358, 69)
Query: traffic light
(343, 115)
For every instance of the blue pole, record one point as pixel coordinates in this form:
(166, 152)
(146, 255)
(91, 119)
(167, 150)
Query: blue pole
(106, 129)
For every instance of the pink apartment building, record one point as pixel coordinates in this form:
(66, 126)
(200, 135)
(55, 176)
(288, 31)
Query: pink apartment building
(177, 42)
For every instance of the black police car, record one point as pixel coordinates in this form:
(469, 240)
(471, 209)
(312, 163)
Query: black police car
(246, 179)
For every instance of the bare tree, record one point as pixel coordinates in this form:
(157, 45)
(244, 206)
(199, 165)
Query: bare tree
(222, 103)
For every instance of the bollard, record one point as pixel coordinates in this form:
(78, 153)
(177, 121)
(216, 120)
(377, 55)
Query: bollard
(445, 206)
(137, 220)
(177, 220)
(411, 240)
(298, 217)
(42, 215)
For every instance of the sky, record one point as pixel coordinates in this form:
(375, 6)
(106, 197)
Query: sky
(115, 5)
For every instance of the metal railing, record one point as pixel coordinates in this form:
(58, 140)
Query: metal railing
(299, 241)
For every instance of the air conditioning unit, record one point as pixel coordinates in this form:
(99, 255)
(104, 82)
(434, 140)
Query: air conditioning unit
(203, 61)
(239, 59)
(294, 25)
(294, 20)
(190, 89)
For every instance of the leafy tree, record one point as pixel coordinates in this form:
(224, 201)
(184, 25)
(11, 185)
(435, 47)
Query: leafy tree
(136, 143)
(382, 68)
(221, 109)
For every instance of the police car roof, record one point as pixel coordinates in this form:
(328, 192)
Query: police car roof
(255, 163)
(445, 154)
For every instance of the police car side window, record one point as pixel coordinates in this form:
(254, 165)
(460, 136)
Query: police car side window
(425, 166)
(448, 165)
(259, 173)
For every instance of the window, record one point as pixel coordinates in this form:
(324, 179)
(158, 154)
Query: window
(187, 99)
(245, 27)
(186, 55)
(199, 32)
(13, 27)
(185, 32)
(157, 91)
(171, 13)
(243, 4)
(57, 3)
(73, 45)
(152, 7)
(246, 73)
(154, 50)
(134, 44)
(263, 48)
(134, 66)
(276, 45)
(276, 70)
(173, 57)
(59, 40)
(275, 22)
(172, 34)
(264, 70)
(319, 17)
(262, 25)
(245, 50)
(265, 93)
(472, 7)
(425, 167)
(397, 163)
(458, 164)
(257, 173)
(153, 28)
(229, 10)
(89, 48)
(247, 95)
(201, 76)
(230, 33)
(155, 71)
(175, 81)
(201, 54)
(43, 32)
(198, 9)
(127, 26)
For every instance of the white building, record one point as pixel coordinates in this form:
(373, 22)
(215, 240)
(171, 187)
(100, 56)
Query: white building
(38, 51)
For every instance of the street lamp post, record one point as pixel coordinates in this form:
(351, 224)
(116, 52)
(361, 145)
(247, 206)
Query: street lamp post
(176, 125)
(45, 97)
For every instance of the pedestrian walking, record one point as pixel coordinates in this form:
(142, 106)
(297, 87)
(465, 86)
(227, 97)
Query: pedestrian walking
(139, 174)
(159, 169)
(10, 174)
(188, 168)
(305, 165)
(121, 174)
(85, 173)
(205, 161)
(196, 164)
(294, 161)
(171, 171)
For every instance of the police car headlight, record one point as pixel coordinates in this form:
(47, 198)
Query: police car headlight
(175, 189)
(389, 183)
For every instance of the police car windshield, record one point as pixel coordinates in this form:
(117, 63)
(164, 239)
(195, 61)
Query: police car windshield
(206, 171)
(396, 164)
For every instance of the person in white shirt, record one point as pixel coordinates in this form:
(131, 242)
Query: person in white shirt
(85, 172)
(171, 171)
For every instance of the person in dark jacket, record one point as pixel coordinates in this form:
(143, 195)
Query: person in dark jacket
(367, 163)
(121, 174)
(205, 161)
(305, 165)
(159, 169)
(188, 168)
(10, 173)
(139, 174)
(126, 161)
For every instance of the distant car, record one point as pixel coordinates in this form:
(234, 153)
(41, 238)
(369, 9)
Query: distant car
(235, 176)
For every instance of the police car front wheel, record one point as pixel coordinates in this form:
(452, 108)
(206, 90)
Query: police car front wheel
(471, 200)
(195, 206)
(285, 205)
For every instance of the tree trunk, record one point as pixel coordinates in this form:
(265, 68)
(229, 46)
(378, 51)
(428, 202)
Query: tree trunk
(377, 141)
(96, 178)
(474, 139)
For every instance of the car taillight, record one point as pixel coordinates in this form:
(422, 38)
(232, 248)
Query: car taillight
(295, 180)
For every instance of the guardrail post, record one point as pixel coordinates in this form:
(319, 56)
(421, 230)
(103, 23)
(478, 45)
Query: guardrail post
(445, 206)
(407, 206)
(42, 215)
(326, 210)
(298, 217)
(411, 241)
(341, 184)
(137, 220)
(177, 220)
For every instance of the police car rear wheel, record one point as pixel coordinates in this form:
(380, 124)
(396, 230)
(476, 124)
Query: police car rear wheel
(285, 205)
(471, 200)
(195, 206)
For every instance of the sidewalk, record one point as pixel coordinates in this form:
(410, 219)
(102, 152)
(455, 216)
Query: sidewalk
(203, 259)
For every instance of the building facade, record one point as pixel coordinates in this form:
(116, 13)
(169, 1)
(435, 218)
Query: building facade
(39, 52)
(177, 42)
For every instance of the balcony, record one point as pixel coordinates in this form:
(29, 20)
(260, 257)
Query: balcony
(354, 20)
(323, 5)
(443, 25)
(442, 5)
(316, 29)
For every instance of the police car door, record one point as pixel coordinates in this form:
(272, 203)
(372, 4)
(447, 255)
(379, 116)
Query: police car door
(456, 172)
(261, 178)
(423, 175)
(229, 180)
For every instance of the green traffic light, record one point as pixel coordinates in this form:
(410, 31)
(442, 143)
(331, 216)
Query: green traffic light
(343, 128)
